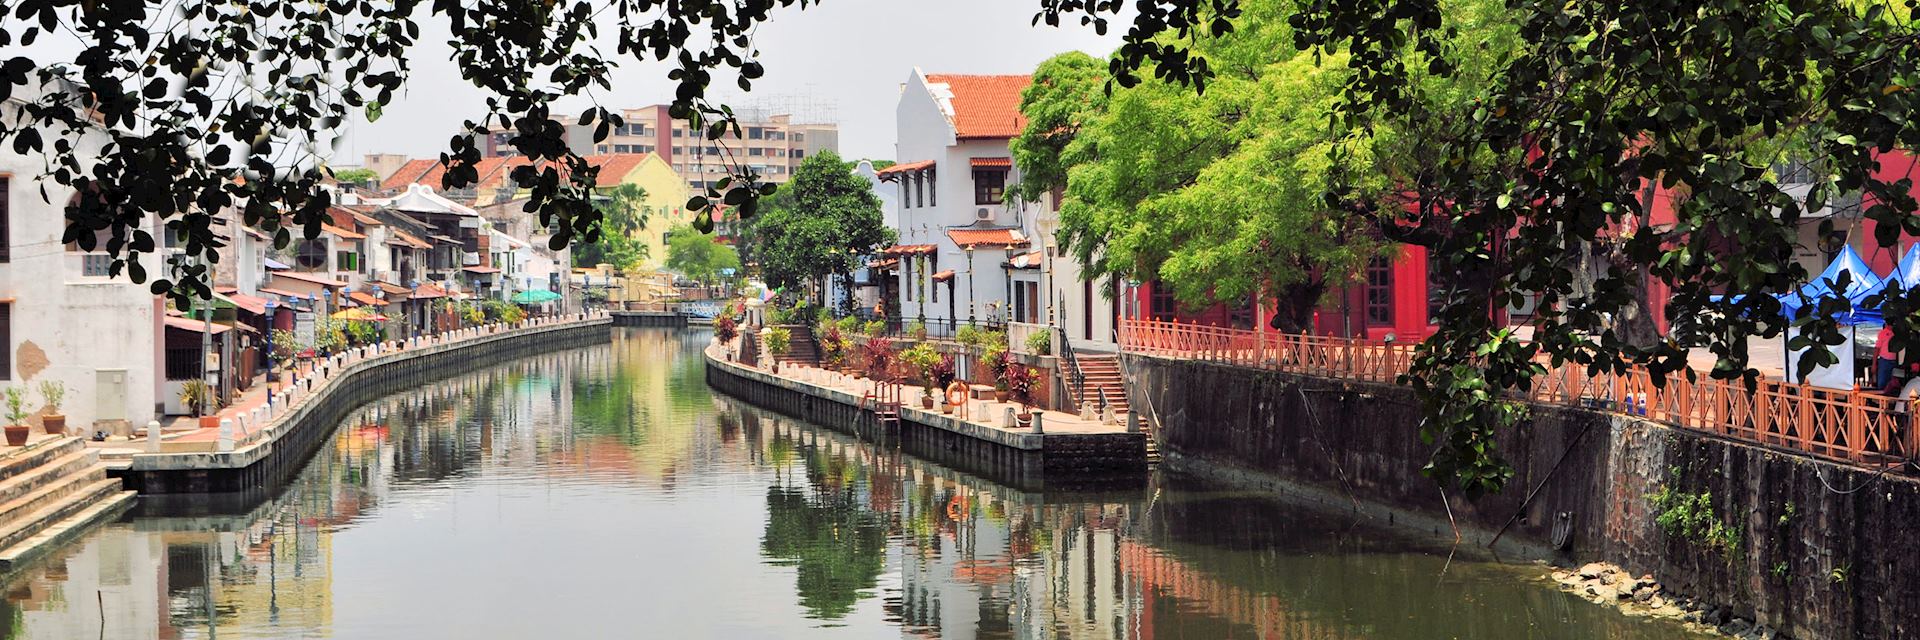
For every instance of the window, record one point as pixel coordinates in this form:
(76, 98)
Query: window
(989, 186)
(754, 151)
(312, 254)
(1379, 292)
(919, 191)
(906, 277)
(621, 148)
(678, 151)
(346, 261)
(755, 133)
(679, 133)
(1033, 303)
(6, 336)
(799, 137)
(1019, 302)
(96, 265)
(905, 201)
(798, 154)
(713, 151)
(183, 363)
(933, 189)
(1160, 302)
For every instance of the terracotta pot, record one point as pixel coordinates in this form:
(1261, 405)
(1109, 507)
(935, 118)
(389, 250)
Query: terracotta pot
(926, 402)
(999, 395)
(54, 423)
(17, 435)
(946, 408)
(210, 422)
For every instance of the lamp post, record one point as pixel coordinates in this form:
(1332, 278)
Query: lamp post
(970, 290)
(273, 371)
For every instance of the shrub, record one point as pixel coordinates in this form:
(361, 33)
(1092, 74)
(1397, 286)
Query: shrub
(875, 328)
(918, 330)
(1020, 380)
(998, 364)
(969, 336)
(878, 355)
(944, 371)
(1040, 343)
(54, 392)
(286, 346)
(848, 325)
(921, 359)
(833, 345)
(778, 340)
(725, 328)
(17, 403)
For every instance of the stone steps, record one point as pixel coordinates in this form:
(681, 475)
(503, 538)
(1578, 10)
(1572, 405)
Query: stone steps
(49, 491)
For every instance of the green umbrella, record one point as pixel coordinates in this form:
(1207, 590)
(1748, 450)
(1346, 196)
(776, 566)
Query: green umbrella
(535, 296)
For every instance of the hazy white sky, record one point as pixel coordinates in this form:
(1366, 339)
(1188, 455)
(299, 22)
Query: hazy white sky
(851, 54)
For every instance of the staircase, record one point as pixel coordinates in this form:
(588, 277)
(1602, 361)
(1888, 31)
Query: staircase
(1102, 372)
(801, 348)
(50, 490)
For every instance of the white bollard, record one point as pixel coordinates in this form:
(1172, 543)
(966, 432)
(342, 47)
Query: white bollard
(153, 435)
(1009, 422)
(225, 441)
(1036, 423)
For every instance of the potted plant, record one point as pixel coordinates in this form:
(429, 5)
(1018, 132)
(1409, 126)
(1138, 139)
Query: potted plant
(725, 330)
(833, 347)
(942, 376)
(55, 393)
(778, 341)
(918, 330)
(877, 356)
(921, 359)
(1020, 380)
(198, 397)
(999, 363)
(1040, 343)
(17, 429)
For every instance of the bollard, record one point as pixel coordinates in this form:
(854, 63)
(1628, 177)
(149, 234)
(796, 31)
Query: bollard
(1086, 411)
(1036, 423)
(225, 442)
(1010, 422)
(1133, 422)
(153, 436)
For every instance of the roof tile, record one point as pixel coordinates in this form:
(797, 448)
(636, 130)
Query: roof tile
(985, 106)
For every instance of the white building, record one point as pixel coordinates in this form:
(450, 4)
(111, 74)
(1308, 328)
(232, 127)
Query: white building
(968, 251)
(62, 317)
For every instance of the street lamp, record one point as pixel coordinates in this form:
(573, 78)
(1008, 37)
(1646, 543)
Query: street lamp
(273, 371)
(970, 290)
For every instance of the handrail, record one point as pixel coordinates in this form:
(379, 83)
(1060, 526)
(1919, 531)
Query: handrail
(1065, 349)
(1845, 425)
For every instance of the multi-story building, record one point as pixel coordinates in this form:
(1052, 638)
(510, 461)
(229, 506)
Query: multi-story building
(63, 317)
(773, 145)
(968, 251)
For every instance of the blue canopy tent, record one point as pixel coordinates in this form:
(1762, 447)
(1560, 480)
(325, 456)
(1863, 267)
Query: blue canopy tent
(1861, 282)
(1906, 274)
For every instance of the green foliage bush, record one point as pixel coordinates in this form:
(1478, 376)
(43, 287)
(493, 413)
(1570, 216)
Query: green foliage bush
(1040, 343)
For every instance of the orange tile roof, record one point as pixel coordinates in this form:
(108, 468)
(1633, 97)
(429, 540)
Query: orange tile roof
(365, 299)
(990, 163)
(1028, 260)
(429, 291)
(985, 106)
(391, 288)
(943, 276)
(987, 237)
(493, 173)
(405, 239)
(890, 173)
(342, 233)
(910, 249)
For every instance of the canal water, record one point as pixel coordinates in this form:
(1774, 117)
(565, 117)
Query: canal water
(604, 492)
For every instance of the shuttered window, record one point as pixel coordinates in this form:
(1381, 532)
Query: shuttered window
(6, 341)
(6, 218)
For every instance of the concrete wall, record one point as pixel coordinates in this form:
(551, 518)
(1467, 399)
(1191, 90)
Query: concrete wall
(67, 326)
(1824, 548)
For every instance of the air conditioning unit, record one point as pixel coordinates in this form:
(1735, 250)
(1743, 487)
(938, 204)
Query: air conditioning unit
(983, 214)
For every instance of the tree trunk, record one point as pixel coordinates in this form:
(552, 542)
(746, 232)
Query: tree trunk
(1294, 305)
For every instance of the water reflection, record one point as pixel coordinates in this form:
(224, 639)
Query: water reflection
(603, 492)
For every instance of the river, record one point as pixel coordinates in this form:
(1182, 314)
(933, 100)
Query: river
(605, 492)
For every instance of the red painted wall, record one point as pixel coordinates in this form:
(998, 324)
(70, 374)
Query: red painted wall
(1894, 166)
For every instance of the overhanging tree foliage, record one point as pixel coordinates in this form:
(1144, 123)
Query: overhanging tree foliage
(613, 237)
(1599, 104)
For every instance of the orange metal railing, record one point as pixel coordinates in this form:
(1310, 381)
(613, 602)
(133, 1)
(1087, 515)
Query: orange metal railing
(1851, 426)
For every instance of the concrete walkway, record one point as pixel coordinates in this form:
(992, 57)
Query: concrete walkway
(980, 411)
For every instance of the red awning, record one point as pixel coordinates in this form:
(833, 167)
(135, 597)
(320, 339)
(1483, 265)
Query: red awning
(897, 170)
(992, 163)
(1028, 260)
(989, 238)
(910, 249)
(366, 299)
(943, 276)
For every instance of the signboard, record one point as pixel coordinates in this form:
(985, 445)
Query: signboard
(303, 326)
(1838, 376)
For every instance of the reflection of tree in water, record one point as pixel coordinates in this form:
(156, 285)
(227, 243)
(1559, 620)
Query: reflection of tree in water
(826, 531)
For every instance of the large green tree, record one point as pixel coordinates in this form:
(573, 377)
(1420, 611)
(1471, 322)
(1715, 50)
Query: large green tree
(614, 237)
(820, 225)
(701, 257)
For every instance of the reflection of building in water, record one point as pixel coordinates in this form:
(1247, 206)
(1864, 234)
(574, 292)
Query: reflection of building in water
(60, 598)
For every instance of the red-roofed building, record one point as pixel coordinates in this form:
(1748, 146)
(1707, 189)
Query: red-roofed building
(950, 187)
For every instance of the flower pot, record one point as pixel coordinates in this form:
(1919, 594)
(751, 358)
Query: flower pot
(946, 408)
(926, 402)
(54, 423)
(209, 422)
(999, 395)
(17, 435)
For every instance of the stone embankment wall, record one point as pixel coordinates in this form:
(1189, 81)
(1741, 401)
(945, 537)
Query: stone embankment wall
(1811, 548)
(1023, 461)
(265, 465)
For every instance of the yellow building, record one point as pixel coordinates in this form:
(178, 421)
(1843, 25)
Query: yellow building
(666, 190)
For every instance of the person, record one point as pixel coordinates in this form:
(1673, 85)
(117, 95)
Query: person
(1885, 360)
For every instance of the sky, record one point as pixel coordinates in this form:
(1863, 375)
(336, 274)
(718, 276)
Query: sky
(850, 54)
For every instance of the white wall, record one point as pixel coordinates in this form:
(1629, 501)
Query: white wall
(66, 326)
